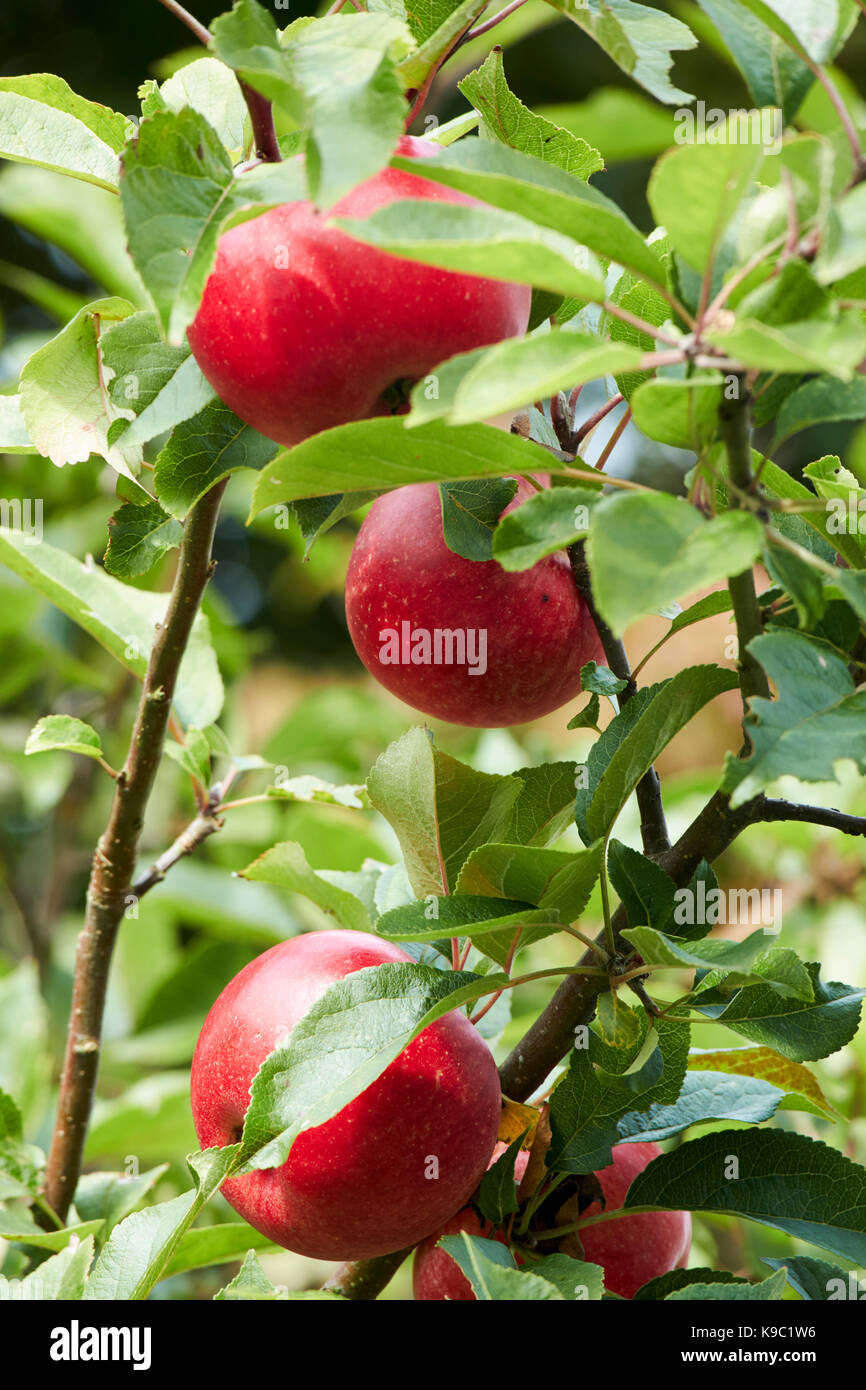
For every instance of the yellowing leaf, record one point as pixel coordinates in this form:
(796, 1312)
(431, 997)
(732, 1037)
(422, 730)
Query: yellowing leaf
(517, 1119)
(767, 1065)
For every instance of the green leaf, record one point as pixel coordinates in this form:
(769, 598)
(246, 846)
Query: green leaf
(765, 1291)
(820, 400)
(547, 521)
(633, 740)
(439, 809)
(319, 514)
(203, 450)
(160, 384)
(138, 537)
(251, 1283)
(620, 122)
(695, 190)
(518, 370)
(489, 1267)
(60, 1277)
(705, 1097)
(639, 39)
(212, 90)
(308, 788)
(334, 74)
(464, 915)
(346, 1040)
(193, 755)
(587, 1105)
(659, 1288)
(647, 549)
(178, 193)
(684, 413)
(286, 866)
(42, 121)
(600, 680)
(762, 1063)
(120, 618)
(62, 392)
(802, 1030)
(780, 484)
(18, 1226)
(470, 512)
(842, 250)
(14, 438)
(815, 721)
(479, 240)
(816, 1280)
(505, 118)
(784, 1180)
(379, 455)
(497, 1192)
(544, 807)
(62, 731)
(546, 195)
(645, 890)
(836, 343)
(575, 1279)
(216, 1245)
(714, 953)
(557, 880)
(776, 77)
(140, 1249)
(816, 27)
(110, 1197)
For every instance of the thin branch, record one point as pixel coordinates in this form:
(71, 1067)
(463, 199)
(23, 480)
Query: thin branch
(115, 856)
(812, 815)
(846, 119)
(654, 832)
(493, 21)
(611, 444)
(189, 840)
(736, 433)
(589, 425)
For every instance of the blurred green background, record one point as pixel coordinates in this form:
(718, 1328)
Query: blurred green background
(297, 694)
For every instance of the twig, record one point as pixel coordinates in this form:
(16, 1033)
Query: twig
(654, 832)
(736, 433)
(115, 857)
(813, 815)
(493, 21)
(198, 830)
(614, 439)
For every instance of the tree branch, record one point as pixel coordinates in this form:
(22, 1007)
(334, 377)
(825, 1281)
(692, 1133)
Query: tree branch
(735, 422)
(364, 1280)
(813, 815)
(115, 856)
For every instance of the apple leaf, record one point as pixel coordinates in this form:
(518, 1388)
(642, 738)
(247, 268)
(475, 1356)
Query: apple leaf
(639, 39)
(470, 512)
(479, 240)
(209, 87)
(217, 1245)
(465, 915)
(505, 118)
(816, 720)
(439, 808)
(694, 191)
(656, 1289)
(112, 1196)
(633, 740)
(160, 384)
(435, 25)
(544, 807)
(820, 400)
(286, 866)
(818, 28)
(63, 392)
(646, 550)
(775, 75)
(497, 1191)
(835, 344)
(250, 1283)
(122, 619)
(348, 1038)
(379, 455)
(725, 1292)
(560, 881)
(543, 194)
(803, 1030)
(18, 1225)
(489, 1267)
(204, 449)
(684, 414)
(548, 521)
(816, 1280)
(141, 1247)
(139, 536)
(42, 121)
(783, 1180)
(60, 1277)
(705, 1098)
(62, 731)
(762, 1063)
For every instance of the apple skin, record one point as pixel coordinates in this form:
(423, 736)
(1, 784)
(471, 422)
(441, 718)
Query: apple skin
(355, 1186)
(302, 328)
(634, 1249)
(539, 630)
(631, 1250)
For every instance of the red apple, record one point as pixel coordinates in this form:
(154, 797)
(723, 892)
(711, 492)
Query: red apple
(510, 645)
(634, 1249)
(631, 1249)
(302, 328)
(360, 1184)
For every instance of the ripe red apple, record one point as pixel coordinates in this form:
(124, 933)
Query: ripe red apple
(463, 640)
(634, 1249)
(631, 1249)
(360, 1184)
(302, 328)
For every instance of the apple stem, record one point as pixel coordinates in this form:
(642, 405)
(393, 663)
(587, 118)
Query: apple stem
(364, 1280)
(111, 879)
(262, 120)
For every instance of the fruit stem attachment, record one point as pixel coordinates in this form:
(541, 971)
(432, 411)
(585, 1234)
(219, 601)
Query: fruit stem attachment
(364, 1280)
(111, 877)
